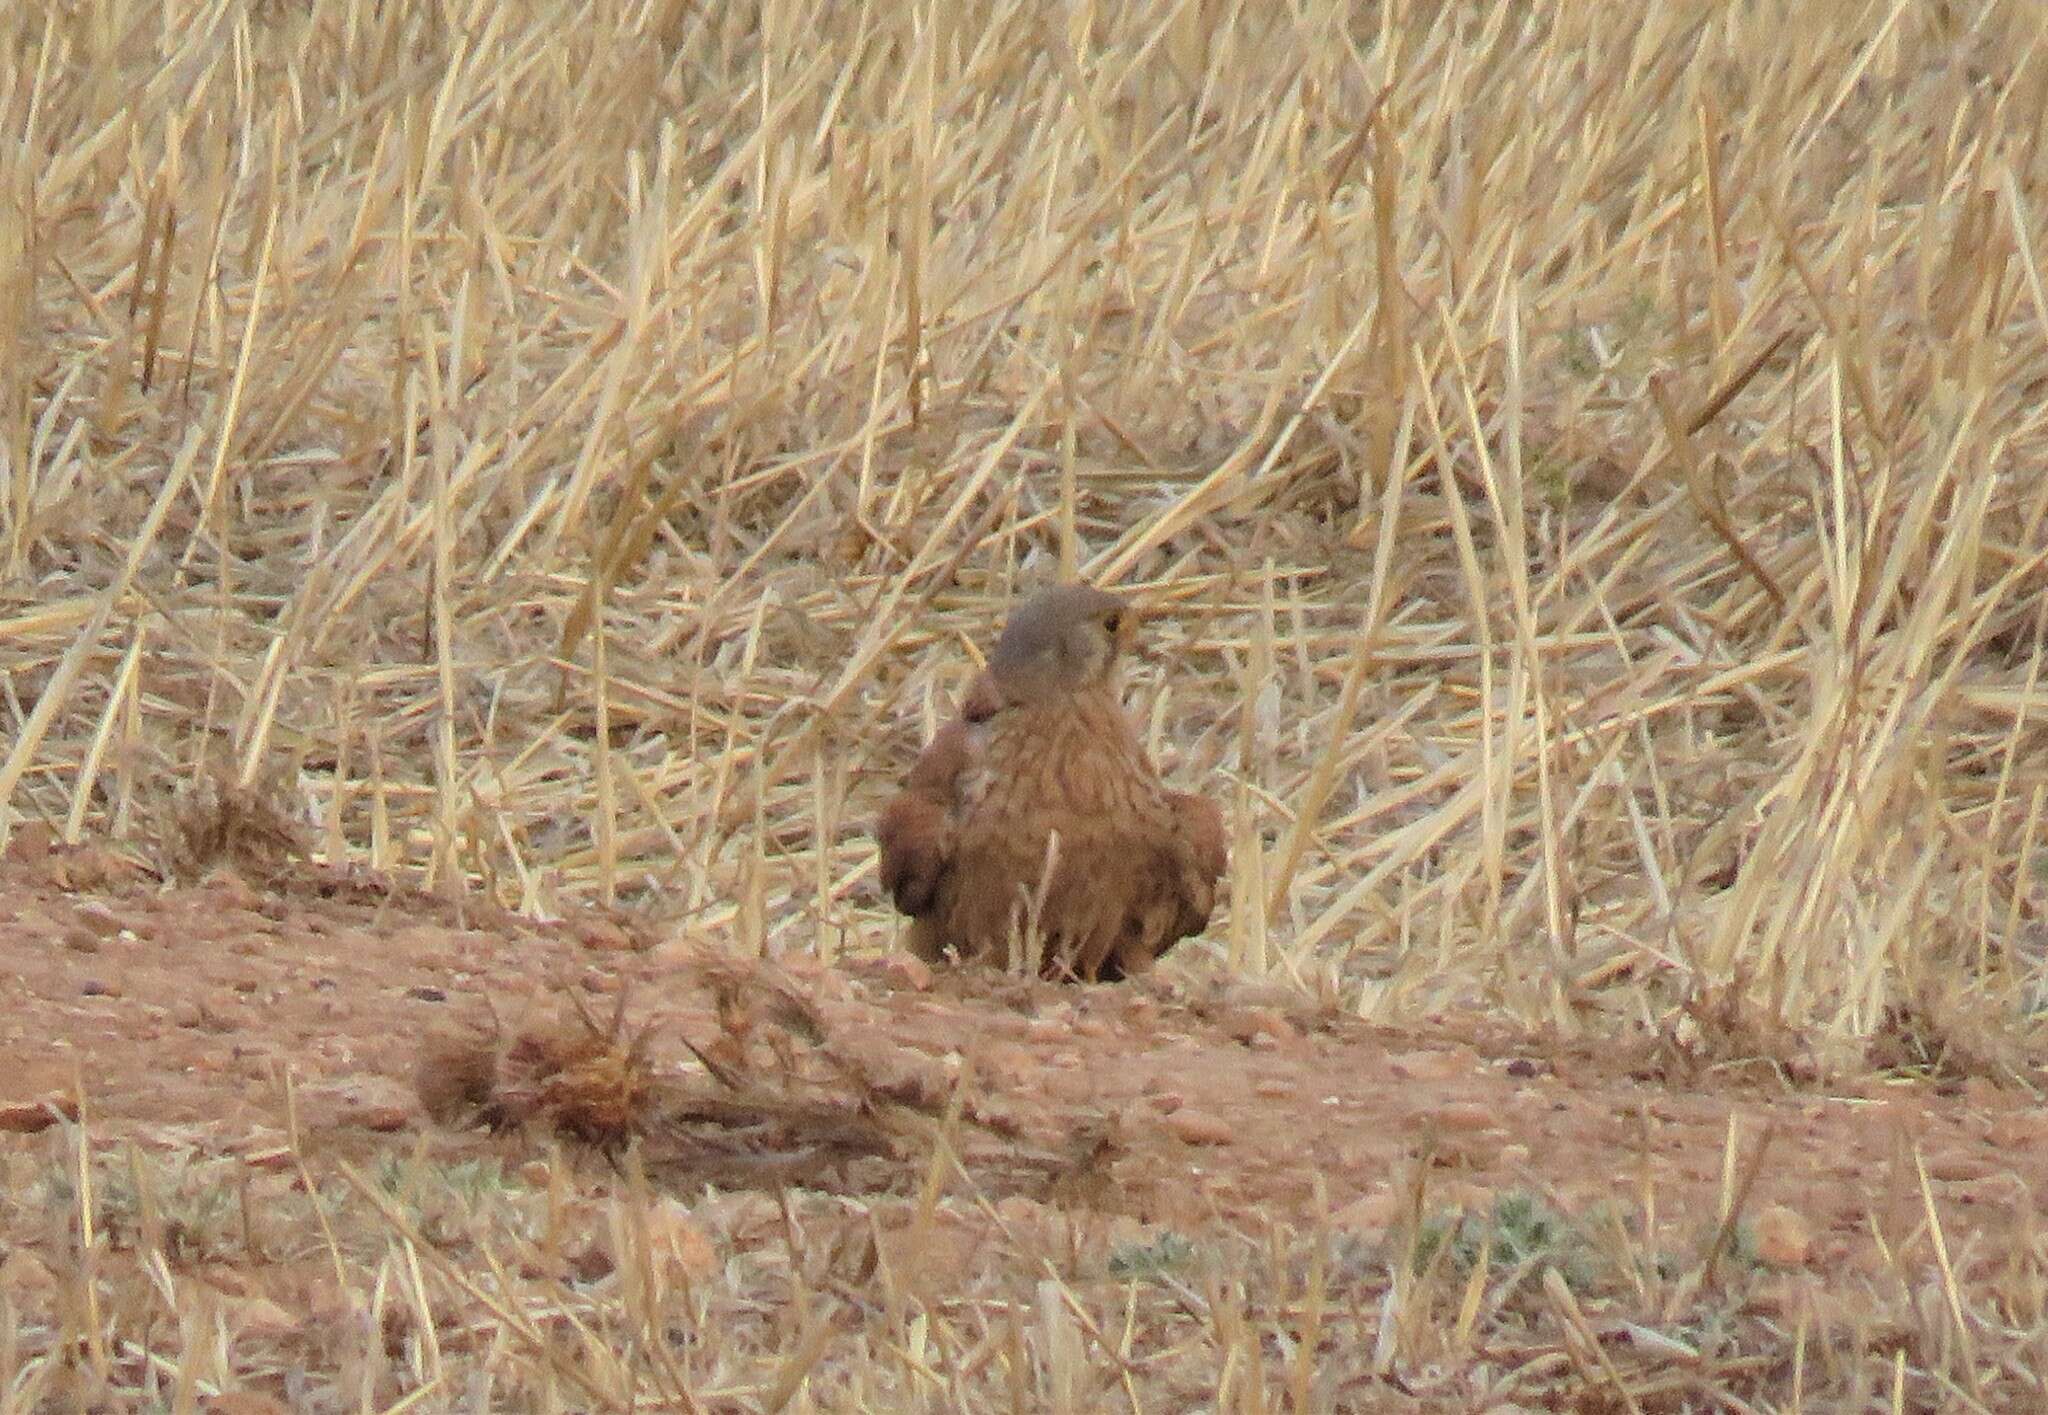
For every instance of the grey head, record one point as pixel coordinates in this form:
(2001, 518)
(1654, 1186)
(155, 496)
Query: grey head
(1060, 640)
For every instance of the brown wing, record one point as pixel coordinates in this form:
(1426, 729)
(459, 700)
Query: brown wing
(916, 830)
(1201, 829)
(1168, 889)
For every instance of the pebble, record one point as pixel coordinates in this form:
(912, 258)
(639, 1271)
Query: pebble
(99, 919)
(1048, 1029)
(904, 970)
(1252, 1023)
(382, 1119)
(1784, 1239)
(1369, 1213)
(603, 936)
(263, 1317)
(1199, 1127)
(1465, 1116)
(1428, 1066)
(26, 1274)
(33, 1117)
(2014, 1130)
(1468, 1151)
(1010, 1066)
(229, 890)
(1951, 1166)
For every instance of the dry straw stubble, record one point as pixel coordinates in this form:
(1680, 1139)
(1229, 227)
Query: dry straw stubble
(596, 505)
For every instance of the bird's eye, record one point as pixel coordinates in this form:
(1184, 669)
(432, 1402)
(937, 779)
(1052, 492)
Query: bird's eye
(1113, 621)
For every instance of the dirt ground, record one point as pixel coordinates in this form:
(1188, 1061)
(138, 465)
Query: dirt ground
(175, 1014)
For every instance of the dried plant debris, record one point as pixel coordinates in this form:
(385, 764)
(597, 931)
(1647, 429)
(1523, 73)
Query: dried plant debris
(1723, 1028)
(574, 1078)
(213, 820)
(773, 1095)
(1951, 1032)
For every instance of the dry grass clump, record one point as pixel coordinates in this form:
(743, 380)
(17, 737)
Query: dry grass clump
(772, 1098)
(214, 820)
(1952, 1035)
(589, 1085)
(1724, 1027)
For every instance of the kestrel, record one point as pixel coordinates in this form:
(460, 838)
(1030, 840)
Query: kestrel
(1036, 810)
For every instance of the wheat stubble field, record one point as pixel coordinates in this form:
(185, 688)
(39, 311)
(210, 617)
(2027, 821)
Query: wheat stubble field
(498, 493)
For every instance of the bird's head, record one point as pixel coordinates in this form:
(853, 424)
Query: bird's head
(1060, 640)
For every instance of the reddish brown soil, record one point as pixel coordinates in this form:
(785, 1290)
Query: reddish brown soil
(179, 1010)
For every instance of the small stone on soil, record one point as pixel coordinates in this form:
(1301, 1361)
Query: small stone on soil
(382, 1119)
(1196, 1127)
(1465, 1116)
(34, 1117)
(26, 1275)
(903, 970)
(1369, 1213)
(1428, 1066)
(1783, 1237)
(99, 919)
